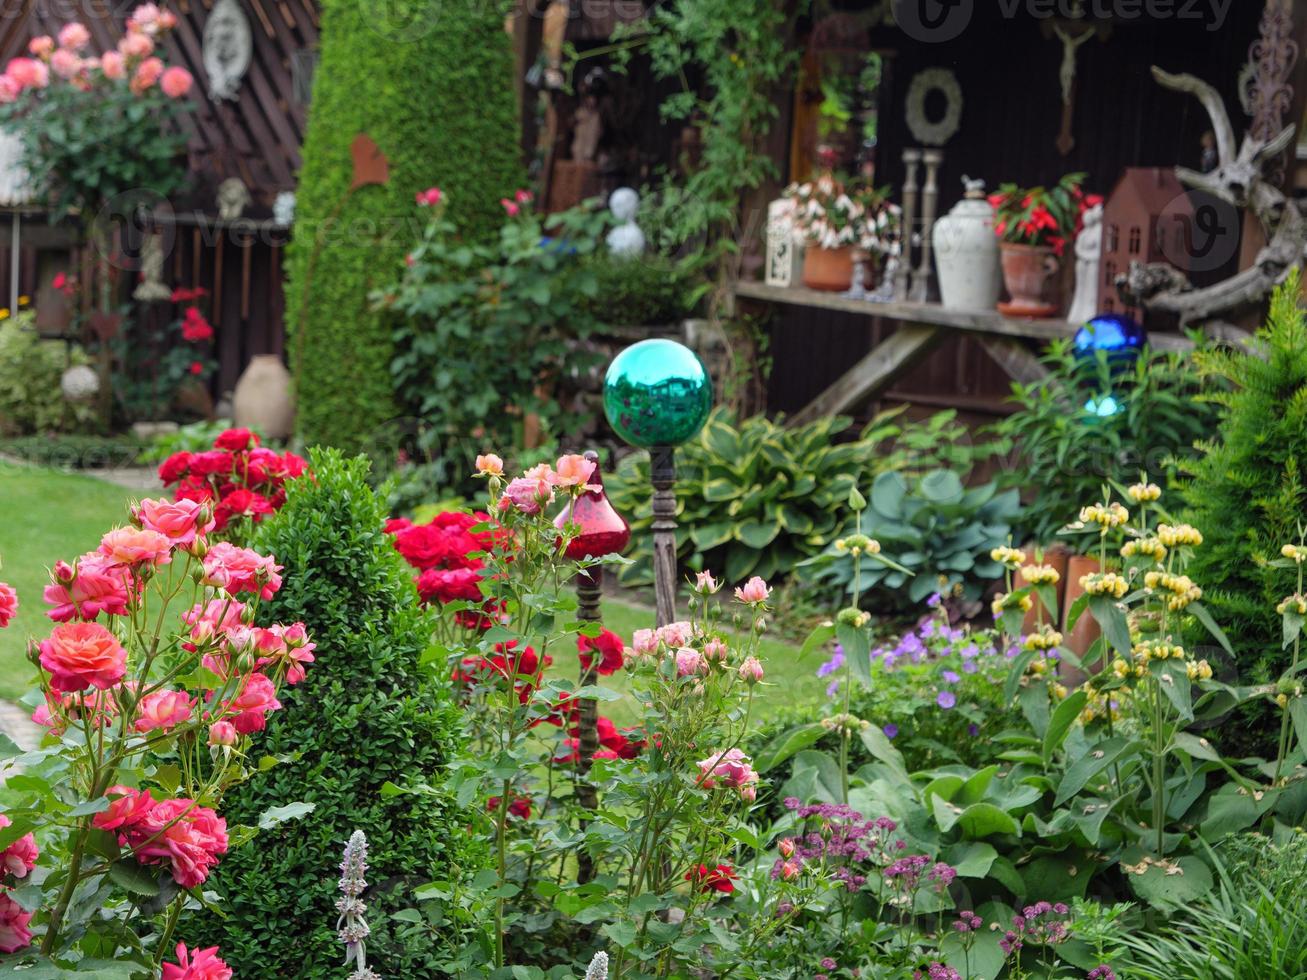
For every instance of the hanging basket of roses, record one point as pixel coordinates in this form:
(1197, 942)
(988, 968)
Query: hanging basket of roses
(835, 223)
(1034, 225)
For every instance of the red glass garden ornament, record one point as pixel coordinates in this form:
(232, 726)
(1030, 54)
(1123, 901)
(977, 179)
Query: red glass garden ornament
(602, 530)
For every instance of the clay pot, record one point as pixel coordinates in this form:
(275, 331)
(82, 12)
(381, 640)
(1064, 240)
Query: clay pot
(1079, 640)
(829, 269)
(262, 400)
(1026, 273)
(1056, 555)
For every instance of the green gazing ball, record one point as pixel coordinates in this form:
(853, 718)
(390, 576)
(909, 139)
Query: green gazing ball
(657, 393)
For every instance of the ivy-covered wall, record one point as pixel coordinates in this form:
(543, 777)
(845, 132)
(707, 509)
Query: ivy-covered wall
(432, 86)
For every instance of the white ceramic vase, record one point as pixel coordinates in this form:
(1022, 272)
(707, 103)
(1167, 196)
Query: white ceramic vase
(966, 254)
(262, 399)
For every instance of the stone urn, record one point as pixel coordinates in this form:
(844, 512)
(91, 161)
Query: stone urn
(828, 269)
(966, 253)
(262, 400)
(1027, 270)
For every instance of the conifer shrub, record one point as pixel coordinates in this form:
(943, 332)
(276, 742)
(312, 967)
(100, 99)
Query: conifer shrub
(368, 714)
(431, 85)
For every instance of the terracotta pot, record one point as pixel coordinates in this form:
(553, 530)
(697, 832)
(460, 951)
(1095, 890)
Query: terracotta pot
(262, 398)
(1079, 640)
(1056, 555)
(829, 269)
(1026, 273)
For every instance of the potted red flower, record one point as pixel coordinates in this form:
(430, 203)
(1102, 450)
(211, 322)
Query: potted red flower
(1034, 226)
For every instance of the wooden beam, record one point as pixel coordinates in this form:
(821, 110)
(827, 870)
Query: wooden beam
(881, 367)
(1014, 358)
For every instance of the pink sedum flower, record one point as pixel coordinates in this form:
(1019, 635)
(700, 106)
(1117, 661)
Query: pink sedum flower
(136, 546)
(8, 603)
(82, 655)
(176, 82)
(74, 36)
(14, 934)
(196, 964)
(19, 857)
(223, 733)
(490, 465)
(753, 592)
(237, 570)
(163, 710)
(180, 521)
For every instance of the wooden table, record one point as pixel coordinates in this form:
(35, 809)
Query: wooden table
(921, 327)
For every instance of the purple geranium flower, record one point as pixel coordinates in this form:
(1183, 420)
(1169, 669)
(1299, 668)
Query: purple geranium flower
(833, 664)
(891, 730)
(946, 699)
(951, 676)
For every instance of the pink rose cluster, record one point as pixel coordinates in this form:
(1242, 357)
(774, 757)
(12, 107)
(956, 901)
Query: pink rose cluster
(240, 479)
(16, 862)
(729, 770)
(133, 60)
(535, 489)
(180, 833)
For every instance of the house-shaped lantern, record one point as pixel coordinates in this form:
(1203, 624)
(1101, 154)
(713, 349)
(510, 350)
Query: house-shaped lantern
(1147, 218)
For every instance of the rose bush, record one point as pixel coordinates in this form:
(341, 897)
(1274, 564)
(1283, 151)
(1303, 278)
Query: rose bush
(112, 827)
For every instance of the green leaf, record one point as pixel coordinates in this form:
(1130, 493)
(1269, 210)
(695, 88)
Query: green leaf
(857, 650)
(1173, 679)
(879, 745)
(1298, 715)
(87, 807)
(1096, 759)
(130, 876)
(984, 960)
(756, 534)
(1111, 619)
(787, 744)
(972, 859)
(1064, 716)
(1020, 664)
(1188, 880)
(1292, 621)
(275, 815)
(985, 819)
(1228, 813)
(819, 637)
(1201, 614)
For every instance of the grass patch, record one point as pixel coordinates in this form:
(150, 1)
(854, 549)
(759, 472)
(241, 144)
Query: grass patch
(45, 516)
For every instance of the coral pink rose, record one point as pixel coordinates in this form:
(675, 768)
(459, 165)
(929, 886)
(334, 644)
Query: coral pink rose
(490, 465)
(28, 73)
(572, 471)
(236, 570)
(136, 546)
(753, 591)
(730, 770)
(74, 36)
(113, 66)
(196, 964)
(688, 661)
(19, 857)
(644, 642)
(189, 837)
(82, 655)
(511, 208)
(8, 603)
(135, 45)
(42, 46)
(98, 585)
(127, 809)
(14, 934)
(176, 82)
(676, 634)
(147, 73)
(223, 733)
(177, 520)
(449, 584)
(250, 707)
(65, 63)
(289, 645)
(163, 710)
(527, 495)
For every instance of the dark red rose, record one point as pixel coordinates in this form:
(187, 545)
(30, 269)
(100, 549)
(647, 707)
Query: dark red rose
(234, 440)
(174, 468)
(447, 584)
(718, 879)
(518, 806)
(610, 648)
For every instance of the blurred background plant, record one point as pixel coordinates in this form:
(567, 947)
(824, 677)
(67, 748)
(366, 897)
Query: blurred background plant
(32, 400)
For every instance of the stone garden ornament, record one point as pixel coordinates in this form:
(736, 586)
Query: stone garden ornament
(228, 48)
(1089, 253)
(626, 238)
(233, 198)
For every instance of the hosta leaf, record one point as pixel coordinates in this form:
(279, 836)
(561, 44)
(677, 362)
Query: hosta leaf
(757, 534)
(786, 744)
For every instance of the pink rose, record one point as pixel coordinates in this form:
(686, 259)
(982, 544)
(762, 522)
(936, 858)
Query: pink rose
(526, 495)
(97, 585)
(716, 650)
(19, 857)
(127, 809)
(135, 46)
(688, 661)
(28, 73)
(430, 197)
(676, 634)
(490, 465)
(572, 471)
(14, 934)
(753, 591)
(251, 706)
(790, 870)
(523, 197)
(177, 520)
(136, 546)
(223, 733)
(511, 208)
(729, 770)
(145, 19)
(74, 36)
(82, 655)
(9, 90)
(236, 570)
(751, 670)
(197, 964)
(8, 603)
(147, 73)
(211, 621)
(189, 837)
(41, 47)
(644, 642)
(289, 645)
(705, 584)
(113, 66)
(65, 63)
(176, 82)
(166, 20)
(163, 710)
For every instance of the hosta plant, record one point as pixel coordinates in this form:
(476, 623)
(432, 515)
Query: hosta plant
(153, 688)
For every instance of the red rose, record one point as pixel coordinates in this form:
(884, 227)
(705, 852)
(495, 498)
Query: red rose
(610, 648)
(174, 467)
(211, 462)
(518, 806)
(234, 440)
(718, 879)
(194, 327)
(447, 584)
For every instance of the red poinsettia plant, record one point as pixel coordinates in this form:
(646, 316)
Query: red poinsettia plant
(242, 480)
(1042, 216)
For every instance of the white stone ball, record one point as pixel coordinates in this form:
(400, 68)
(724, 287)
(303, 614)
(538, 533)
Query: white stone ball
(624, 202)
(79, 383)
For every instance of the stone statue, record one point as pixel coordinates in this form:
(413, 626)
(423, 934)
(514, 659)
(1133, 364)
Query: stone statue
(233, 199)
(626, 238)
(1089, 253)
(227, 49)
(151, 288)
(283, 209)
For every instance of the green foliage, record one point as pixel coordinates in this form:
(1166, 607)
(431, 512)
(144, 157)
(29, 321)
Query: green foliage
(194, 437)
(367, 715)
(651, 289)
(758, 497)
(433, 92)
(939, 530)
(1067, 452)
(1246, 493)
(484, 332)
(31, 401)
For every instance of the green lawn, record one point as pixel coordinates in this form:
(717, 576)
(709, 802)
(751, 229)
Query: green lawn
(45, 516)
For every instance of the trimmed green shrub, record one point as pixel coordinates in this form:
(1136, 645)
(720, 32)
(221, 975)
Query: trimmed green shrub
(31, 400)
(431, 86)
(1247, 491)
(368, 714)
(649, 290)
